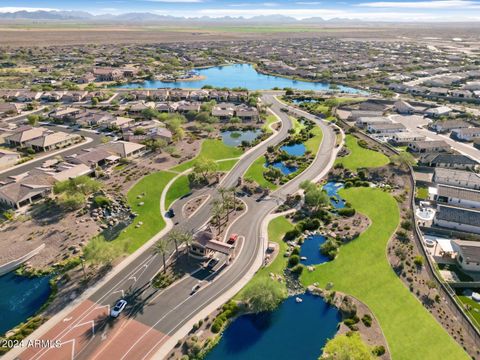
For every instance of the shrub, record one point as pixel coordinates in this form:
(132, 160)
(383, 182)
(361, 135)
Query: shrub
(329, 248)
(297, 270)
(101, 201)
(217, 325)
(418, 260)
(367, 320)
(293, 260)
(378, 350)
(296, 250)
(347, 212)
(292, 234)
(406, 224)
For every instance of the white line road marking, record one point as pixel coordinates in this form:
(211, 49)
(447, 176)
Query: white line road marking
(67, 319)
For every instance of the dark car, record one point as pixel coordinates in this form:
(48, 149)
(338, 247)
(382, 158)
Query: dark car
(170, 213)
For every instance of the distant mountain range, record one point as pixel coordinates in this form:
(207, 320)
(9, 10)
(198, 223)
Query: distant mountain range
(147, 17)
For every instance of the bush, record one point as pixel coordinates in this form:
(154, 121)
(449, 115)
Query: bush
(367, 320)
(329, 248)
(378, 350)
(292, 234)
(101, 201)
(347, 212)
(297, 270)
(296, 250)
(418, 260)
(293, 260)
(406, 224)
(217, 325)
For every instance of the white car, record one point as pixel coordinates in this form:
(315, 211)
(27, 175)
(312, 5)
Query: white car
(118, 308)
(196, 288)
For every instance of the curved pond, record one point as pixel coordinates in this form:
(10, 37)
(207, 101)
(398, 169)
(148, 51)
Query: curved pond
(235, 138)
(332, 191)
(285, 169)
(21, 297)
(311, 250)
(294, 149)
(293, 331)
(238, 75)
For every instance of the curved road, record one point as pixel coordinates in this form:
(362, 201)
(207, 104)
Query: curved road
(155, 318)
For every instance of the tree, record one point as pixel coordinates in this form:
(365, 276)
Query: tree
(315, 197)
(161, 248)
(33, 119)
(431, 285)
(264, 295)
(346, 347)
(178, 237)
(404, 159)
(217, 212)
(205, 167)
(101, 252)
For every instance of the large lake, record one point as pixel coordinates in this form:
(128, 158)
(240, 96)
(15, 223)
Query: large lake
(21, 298)
(293, 331)
(239, 75)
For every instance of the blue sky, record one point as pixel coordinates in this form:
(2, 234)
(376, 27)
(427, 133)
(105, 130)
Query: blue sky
(387, 10)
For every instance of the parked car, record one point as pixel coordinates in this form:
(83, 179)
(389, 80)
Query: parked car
(232, 239)
(118, 308)
(211, 264)
(170, 213)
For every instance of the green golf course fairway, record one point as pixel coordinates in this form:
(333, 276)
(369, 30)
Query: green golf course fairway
(361, 269)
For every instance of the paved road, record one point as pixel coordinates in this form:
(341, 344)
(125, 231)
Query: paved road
(153, 316)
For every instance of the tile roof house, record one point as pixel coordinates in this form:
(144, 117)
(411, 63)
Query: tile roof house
(53, 140)
(467, 134)
(429, 146)
(20, 193)
(453, 161)
(459, 178)
(456, 218)
(8, 158)
(468, 254)
(124, 149)
(24, 134)
(458, 196)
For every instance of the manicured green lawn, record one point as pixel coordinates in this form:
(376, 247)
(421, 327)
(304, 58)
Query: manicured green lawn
(360, 157)
(276, 231)
(212, 149)
(270, 120)
(296, 125)
(255, 173)
(474, 312)
(422, 193)
(226, 165)
(362, 270)
(179, 188)
(149, 213)
(314, 142)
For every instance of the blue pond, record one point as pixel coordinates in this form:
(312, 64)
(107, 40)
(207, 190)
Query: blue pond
(285, 169)
(20, 298)
(311, 250)
(332, 191)
(239, 75)
(235, 138)
(295, 149)
(293, 331)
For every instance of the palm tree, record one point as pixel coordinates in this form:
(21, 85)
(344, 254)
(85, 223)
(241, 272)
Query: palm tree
(222, 191)
(174, 237)
(161, 248)
(233, 191)
(217, 212)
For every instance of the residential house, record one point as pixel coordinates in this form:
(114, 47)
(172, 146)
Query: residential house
(23, 134)
(64, 114)
(93, 157)
(403, 107)
(364, 121)
(123, 149)
(355, 114)
(468, 254)
(10, 108)
(223, 111)
(438, 111)
(466, 134)
(386, 128)
(459, 178)
(74, 96)
(452, 161)
(429, 146)
(107, 74)
(448, 125)
(51, 140)
(456, 218)
(406, 137)
(26, 190)
(458, 196)
(246, 113)
(185, 107)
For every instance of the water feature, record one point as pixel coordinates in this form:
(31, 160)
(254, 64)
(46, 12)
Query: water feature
(332, 191)
(284, 168)
(235, 138)
(293, 331)
(238, 75)
(294, 149)
(21, 298)
(311, 250)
